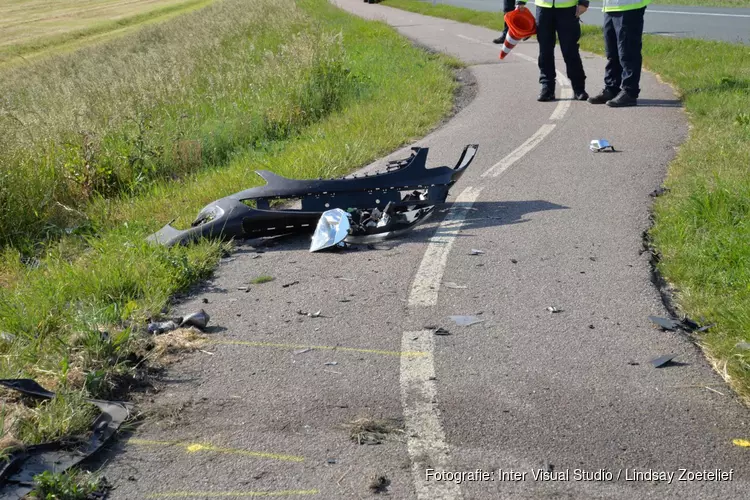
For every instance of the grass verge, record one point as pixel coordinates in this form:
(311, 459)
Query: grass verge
(299, 88)
(701, 230)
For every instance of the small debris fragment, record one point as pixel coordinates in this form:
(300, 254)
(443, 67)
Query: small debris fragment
(162, 327)
(554, 309)
(466, 320)
(514, 261)
(287, 285)
(331, 363)
(344, 300)
(592, 259)
(455, 286)
(303, 351)
(205, 301)
(315, 314)
(633, 363)
(198, 320)
(663, 360)
(344, 279)
(474, 251)
(331, 461)
(441, 331)
(658, 192)
(598, 145)
(665, 323)
(380, 485)
(242, 288)
(591, 327)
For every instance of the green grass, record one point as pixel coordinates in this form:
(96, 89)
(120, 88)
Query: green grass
(72, 485)
(262, 279)
(702, 226)
(104, 145)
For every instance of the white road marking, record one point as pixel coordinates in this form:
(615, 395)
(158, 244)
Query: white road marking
(473, 40)
(518, 153)
(566, 94)
(426, 438)
(424, 290)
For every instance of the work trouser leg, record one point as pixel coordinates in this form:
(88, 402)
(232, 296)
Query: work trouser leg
(545, 35)
(629, 45)
(508, 6)
(569, 33)
(613, 69)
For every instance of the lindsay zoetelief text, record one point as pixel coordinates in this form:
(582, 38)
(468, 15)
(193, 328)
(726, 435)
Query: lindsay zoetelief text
(512, 475)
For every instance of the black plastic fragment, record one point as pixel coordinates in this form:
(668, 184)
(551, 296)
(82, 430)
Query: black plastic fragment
(663, 360)
(665, 323)
(17, 473)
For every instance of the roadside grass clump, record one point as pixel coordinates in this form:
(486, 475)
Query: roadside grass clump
(701, 231)
(142, 130)
(262, 279)
(70, 485)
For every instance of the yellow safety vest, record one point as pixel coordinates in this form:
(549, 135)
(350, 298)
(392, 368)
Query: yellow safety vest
(623, 5)
(555, 3)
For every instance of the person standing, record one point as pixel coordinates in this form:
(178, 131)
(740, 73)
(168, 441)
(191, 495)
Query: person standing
(559, 17)
(508, 6)
(623, 41)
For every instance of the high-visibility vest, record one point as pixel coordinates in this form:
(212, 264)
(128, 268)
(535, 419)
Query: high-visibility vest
(555, 3)
(623, 5)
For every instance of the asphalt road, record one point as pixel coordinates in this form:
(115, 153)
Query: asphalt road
(570, 392)
(709, 23)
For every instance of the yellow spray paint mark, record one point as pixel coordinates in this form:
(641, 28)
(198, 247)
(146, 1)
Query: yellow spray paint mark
(742, 442)
(196, 447)
(322, 347)
(227, 494)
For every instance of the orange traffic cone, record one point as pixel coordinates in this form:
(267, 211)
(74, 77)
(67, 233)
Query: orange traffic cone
(521, 24)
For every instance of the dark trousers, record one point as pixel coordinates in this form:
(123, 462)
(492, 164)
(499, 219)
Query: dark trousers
(508, 6)
(623, 39)
(550, 20)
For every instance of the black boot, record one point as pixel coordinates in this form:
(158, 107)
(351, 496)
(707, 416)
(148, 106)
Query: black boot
(580, 95)
(622, 100)
(501, 39)
(604, 96)
(547, 94)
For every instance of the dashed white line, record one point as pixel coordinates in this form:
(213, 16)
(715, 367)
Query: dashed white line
(426, 438)
(518, 153)
(424, 290)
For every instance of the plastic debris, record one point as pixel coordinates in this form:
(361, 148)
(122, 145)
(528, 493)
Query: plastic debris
(598, 145)
(474, 251)
(663, 360)
(303, 351)
(163, 326)
(333, 227)
(441, 331)
(18, 470)
(198, 319)
(287, 285)
(331, 363)
(466, 320)
(686, 324)
(554, 309)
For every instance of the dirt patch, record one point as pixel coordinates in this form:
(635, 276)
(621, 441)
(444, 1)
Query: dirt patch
(374, 431)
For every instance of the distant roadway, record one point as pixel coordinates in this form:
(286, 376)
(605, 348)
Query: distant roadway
(709, 23)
